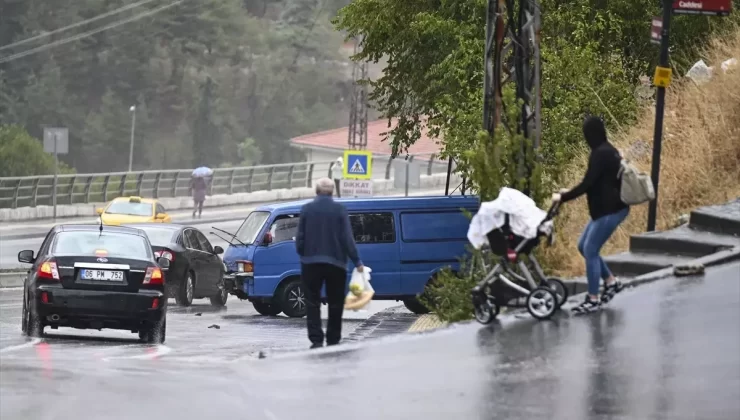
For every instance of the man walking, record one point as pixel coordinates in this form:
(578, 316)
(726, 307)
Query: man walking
(324, 243)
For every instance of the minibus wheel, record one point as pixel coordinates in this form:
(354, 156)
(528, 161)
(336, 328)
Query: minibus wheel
(267, 309)
(414, 305)
(291, 298)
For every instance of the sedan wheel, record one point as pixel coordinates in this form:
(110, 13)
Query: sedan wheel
(293, 299)
(220, 298)
(185, 294)
(31, 325)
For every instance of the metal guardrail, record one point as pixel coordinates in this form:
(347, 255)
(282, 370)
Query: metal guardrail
(32, 191)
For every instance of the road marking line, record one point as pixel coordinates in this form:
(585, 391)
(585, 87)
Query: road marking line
(20, 346)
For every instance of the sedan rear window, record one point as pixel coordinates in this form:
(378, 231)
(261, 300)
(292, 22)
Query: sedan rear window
(158, 236)
(107, 244)
(129, 208)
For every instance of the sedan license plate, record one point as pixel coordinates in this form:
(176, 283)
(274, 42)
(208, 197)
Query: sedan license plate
(102, 275)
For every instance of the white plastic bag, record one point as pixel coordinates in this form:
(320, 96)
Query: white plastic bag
(360, 290)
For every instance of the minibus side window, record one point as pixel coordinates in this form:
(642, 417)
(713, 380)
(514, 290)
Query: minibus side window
(373, 228)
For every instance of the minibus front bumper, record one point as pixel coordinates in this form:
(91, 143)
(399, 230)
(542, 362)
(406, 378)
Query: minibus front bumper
(235, 284)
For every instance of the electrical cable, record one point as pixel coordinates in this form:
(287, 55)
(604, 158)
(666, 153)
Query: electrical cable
(88, 34)
(116, 45)
(75, 25)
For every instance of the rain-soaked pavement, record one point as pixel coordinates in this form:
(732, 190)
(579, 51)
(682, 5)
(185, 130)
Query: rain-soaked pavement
(666, 350)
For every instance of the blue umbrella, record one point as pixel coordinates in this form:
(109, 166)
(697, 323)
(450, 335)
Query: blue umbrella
(202, 172)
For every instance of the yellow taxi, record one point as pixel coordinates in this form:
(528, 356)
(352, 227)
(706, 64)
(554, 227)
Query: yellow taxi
(133, 210)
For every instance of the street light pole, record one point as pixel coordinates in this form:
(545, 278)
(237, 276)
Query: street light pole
(131, 146)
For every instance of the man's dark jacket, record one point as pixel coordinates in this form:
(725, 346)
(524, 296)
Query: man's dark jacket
(325, 234)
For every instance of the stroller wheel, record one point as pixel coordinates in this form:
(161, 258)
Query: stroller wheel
(542, 303)
(486, 312)
(559, 288)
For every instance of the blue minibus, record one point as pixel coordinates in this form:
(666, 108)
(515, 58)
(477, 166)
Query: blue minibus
(404, 240)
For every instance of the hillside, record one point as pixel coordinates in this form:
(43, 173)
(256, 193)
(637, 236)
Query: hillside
(700, 161)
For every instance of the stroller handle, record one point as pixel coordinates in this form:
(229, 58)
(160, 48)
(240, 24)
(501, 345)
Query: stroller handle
(552, 212)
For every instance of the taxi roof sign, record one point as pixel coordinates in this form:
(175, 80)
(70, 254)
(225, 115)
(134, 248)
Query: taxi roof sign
(358, 164)
(134, 199)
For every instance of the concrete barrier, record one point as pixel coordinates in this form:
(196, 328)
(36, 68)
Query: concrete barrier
(380, 187)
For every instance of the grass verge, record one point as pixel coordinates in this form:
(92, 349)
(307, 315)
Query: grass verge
(700, 160)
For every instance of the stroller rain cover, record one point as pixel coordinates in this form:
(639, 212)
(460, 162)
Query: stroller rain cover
(524, 217)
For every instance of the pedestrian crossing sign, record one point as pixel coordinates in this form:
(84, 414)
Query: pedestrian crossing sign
(358, 164)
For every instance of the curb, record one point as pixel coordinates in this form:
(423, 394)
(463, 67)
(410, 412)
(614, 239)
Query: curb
(427, 322)
(10, 279)
(576, 289)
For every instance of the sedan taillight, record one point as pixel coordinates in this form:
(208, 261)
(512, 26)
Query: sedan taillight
(48, 270)
(165, 254)
(153, 276)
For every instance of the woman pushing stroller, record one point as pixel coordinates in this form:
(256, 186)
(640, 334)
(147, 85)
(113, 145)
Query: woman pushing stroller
(601, 184)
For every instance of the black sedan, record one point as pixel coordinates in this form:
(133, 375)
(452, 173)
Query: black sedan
(94, 276)
(196, 270)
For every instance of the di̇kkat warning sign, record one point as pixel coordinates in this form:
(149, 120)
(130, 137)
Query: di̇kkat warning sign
(356, 188)
(358, 164)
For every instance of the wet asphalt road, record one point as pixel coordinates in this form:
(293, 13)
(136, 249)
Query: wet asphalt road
(667, 350)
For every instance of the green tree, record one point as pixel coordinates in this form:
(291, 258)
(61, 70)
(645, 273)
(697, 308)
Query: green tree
(21, 154)
(206, 134)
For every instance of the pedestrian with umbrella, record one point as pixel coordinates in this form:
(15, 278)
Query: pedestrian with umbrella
(198, 188)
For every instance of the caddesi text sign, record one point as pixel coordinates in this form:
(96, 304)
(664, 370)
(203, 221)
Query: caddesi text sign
(702, 7)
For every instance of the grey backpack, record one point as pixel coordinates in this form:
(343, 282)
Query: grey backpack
(636, 187)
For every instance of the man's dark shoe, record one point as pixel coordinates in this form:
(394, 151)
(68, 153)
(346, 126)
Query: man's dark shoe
(317, 345)
(332, 344)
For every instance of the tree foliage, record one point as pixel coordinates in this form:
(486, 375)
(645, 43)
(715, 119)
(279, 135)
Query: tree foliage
(23, 155)
(203, 75)
(592, 56)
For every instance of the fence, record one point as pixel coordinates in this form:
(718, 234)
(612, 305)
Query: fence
(32, 191)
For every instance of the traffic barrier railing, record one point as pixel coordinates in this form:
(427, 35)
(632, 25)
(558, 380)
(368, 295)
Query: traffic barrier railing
(32, 191)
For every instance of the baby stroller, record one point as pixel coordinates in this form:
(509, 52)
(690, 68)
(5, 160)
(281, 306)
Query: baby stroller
(502, 286)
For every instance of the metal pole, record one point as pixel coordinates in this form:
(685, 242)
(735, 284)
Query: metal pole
(56, 174)
(131, 146)
(449, 171)
(406, 187)
(659, 111)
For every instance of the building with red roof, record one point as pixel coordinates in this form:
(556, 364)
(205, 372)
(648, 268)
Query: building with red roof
(331, 144)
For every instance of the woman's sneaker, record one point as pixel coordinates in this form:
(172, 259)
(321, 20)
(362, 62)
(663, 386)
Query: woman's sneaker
(587, 306)
(611, 290)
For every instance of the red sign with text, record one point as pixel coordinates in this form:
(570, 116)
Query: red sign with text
(702, 7)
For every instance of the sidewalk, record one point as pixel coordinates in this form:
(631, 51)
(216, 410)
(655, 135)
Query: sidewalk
(524, 369)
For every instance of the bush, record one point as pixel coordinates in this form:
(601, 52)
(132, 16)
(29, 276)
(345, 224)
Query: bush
(21, 154)
(449, 294)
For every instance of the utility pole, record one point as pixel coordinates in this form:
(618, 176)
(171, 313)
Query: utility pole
(512, 54)
(357, 136)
